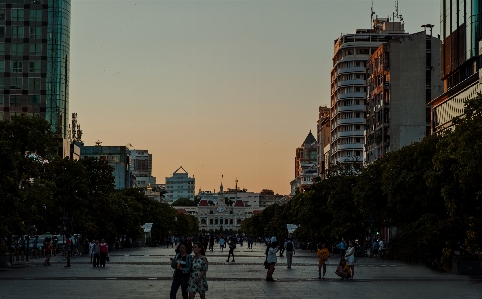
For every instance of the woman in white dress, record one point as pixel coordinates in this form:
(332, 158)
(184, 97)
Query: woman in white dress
(350, 257)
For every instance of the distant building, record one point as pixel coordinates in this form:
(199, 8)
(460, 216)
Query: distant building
(461, 34)
(323, 132)
(306, 165)
(179, 185)
(117, 157)
(141, 168)
(268, 198)
(220, 215)
(349, 89)
(402, 78)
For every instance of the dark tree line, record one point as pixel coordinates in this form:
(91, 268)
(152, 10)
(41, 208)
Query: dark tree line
(431, 191)
(38, 188)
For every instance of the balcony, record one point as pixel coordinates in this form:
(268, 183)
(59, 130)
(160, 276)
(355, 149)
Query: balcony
(348, 70)
(352, 82)
(349, 121)
(360, 108)
(351, 95)
(358, 133)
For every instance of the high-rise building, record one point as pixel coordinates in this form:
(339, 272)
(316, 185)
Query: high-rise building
(179, 185)
(402, 80)
(118, 158)
(306, 161)
(34, 62)
(323, 128)
(461, 34)
(141, 168)
(348, 87)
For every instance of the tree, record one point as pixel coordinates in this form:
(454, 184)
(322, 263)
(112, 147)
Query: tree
(184, 202)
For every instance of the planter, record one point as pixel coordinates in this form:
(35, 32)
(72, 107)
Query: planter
(467, 267)
(4, 259)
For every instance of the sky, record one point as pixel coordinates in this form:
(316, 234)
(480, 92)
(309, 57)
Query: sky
(221, 88)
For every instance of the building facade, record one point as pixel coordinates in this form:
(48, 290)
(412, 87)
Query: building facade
(349, 89)
(306, 165)
(179, 185)
(323, 134)
(268, 198)
(34, 62)
(461, 33)
(141, 168)
(402, 78)
(118, 158)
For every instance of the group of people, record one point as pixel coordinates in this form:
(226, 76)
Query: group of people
(98, 253)
(346, 266)
(189, 271)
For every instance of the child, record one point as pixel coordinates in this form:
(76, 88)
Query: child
(323, 255)
(343, 270)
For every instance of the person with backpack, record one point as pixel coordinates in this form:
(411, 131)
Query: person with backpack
(290, 251)
(232, 246)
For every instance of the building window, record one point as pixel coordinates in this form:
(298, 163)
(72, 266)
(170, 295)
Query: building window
(211, 221)
(35, 32)
(2, 83)
(2, 14)
(36, 15)
(18, 1)
(16, 66)
(16, 49)
(1, 100)
(17, 31)
(1, 116)
(16, 83)
(17, 15)
(2, 66)
(15, 101)
(34, 101)
(34, 66)
(2, 31)
(2, 49)
(35, 49)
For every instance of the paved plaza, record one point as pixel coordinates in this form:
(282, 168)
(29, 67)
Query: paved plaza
(146, 273)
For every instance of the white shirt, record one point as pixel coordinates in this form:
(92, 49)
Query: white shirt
(380, 244)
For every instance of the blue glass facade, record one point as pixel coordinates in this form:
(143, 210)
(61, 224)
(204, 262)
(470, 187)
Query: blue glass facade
(34, 60)
(58, 49)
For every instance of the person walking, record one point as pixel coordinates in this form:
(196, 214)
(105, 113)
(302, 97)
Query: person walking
(281, 248)
(181, 263)
(222, 243)
(381, 248)
(232, 246)
(350, 257)
(211, 243)
(68, 249)
(343, 270)
(197, 279)
(342, 247)
(271, 258)
(103, 251)
(96, 254)
(290, 251)
(375, 247)
(323, 253)
(91, 248)
(48, 250)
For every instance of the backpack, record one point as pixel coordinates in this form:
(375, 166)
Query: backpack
(289, 246)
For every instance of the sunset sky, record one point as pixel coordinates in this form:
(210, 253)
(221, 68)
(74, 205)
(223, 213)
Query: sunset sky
(218, 87)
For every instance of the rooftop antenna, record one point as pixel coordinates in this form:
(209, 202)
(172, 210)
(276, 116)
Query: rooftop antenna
(398, 11)
(371, 15)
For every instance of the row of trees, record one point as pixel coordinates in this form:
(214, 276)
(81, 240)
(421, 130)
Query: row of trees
(431, 191)
(38, 188)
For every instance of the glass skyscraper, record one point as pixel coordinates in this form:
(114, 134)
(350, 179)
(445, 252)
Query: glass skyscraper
(461, 32)
(34, 60)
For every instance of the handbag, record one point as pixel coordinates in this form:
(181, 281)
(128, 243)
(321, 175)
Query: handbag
(266, 264)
